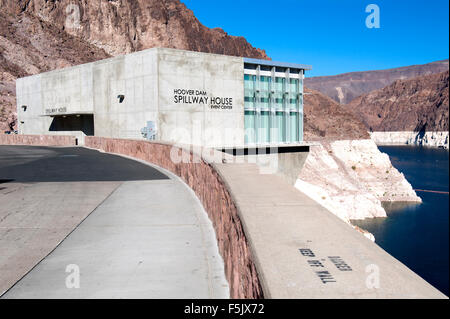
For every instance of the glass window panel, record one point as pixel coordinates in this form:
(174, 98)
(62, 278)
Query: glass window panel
(278, 87)
(279, 102)
(279, 126)
(293, 126)
(293, 103)
(249, 125)
(249, 93)
(249, 102)
(264, 101)
(249, 82)
(285, 102)
(293, 86)
(264, 127)
(264, 94)
(285, 127)
(264, 83)
(300, 126)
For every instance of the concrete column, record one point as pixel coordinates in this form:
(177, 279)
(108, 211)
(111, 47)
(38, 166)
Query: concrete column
(286, 109)
(258, 105)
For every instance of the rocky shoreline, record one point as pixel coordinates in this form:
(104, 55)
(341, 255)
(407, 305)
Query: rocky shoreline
(351, 178)
(433, 139)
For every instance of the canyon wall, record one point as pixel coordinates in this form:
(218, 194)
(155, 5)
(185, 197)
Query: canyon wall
(407, 105)
(419, 105)
(124, 26)
(345, 87)
(326, 119)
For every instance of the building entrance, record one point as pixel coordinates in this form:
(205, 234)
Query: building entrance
(75, 122)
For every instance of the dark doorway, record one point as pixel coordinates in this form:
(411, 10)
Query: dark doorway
(79, 122)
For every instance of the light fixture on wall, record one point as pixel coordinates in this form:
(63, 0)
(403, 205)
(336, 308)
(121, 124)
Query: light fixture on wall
(24, 107)
(121, 97)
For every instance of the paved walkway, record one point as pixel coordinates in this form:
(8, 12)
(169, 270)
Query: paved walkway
(146, 238)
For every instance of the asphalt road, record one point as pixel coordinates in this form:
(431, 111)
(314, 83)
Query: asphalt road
(31, 164)
(133, 230)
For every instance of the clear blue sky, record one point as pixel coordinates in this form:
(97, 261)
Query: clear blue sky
(331, 35)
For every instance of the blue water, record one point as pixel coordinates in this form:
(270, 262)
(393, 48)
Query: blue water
(417, 235)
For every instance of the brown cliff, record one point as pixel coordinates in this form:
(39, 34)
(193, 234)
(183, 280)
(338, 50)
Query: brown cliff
(124, 26)
(29, 45)
(345, 87)
(419, 104)
(325, 119)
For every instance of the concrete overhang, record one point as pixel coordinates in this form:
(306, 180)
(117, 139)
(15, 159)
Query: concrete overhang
(280, 64)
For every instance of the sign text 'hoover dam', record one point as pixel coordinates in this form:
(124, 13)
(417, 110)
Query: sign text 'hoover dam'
(200, 97)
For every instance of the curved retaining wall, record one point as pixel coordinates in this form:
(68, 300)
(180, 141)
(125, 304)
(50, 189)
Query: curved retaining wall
(38, 140)
(201, 176)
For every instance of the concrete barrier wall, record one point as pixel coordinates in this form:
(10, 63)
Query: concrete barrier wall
(200, 175)
(38, 140)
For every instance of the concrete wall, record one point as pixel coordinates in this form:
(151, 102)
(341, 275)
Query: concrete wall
(133, 76)
(29, 94)
(218, 76)
(69, 88)
(148, 80)
(65, 91)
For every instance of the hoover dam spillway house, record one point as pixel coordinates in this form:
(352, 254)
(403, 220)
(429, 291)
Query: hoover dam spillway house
(168, 95)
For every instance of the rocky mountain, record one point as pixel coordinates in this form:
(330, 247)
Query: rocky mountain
(325, 119)
(42, 35)
(345, 87)
(29, 45)
(124, 26)
(420, 104)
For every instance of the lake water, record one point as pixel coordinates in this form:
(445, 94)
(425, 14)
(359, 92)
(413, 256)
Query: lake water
(417, 235)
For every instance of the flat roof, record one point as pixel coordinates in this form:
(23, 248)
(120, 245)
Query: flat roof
(275, 63)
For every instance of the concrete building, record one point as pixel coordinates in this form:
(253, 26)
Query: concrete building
(169, 95)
